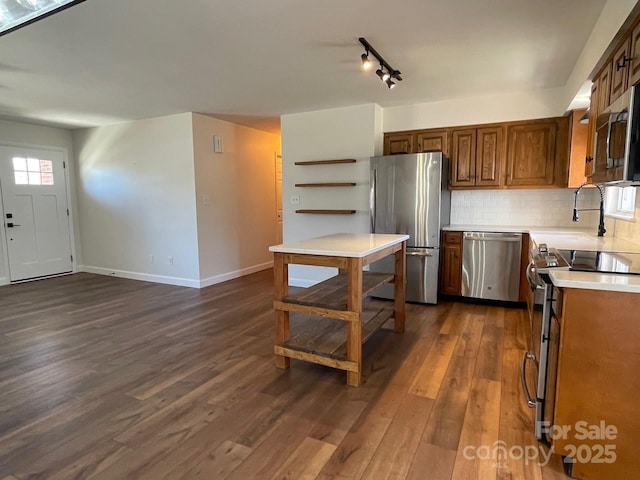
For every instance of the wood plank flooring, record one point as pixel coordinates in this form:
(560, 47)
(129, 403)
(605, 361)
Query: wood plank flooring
(107, 378)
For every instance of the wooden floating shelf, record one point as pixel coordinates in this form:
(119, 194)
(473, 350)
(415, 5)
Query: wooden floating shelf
(328, 212)
(327, 337)
(327, 184)
(327, 162)
(332, 293)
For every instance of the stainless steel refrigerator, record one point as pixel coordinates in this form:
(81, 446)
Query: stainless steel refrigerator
(408, 194)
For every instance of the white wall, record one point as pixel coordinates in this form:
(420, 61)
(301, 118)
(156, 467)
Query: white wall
(352, 132)
(476, 110)
(18, 134)
(136, 189)
(238, 225)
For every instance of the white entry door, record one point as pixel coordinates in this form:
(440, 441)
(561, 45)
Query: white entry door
(36, 219)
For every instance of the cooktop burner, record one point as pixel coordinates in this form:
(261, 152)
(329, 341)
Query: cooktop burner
(604, 262)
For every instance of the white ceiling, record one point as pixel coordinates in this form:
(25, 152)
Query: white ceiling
(105, 61)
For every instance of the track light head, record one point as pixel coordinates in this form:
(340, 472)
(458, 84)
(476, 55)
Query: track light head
(366, 63)
(384, 76)
(390, 83)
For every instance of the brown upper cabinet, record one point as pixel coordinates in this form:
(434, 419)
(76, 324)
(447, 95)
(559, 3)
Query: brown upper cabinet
(463, 158)
(620, 71)
(417, 142)
(604, 88)
(589, 166)
(489, 156)
(433, 141)
(398, 142)
(476, 157)
(531, 154)
(634, 67)
(534, 153)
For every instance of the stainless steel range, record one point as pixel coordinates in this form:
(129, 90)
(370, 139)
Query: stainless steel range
(544, 338)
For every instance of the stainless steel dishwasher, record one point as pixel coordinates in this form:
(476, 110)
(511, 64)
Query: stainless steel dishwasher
(491, 265)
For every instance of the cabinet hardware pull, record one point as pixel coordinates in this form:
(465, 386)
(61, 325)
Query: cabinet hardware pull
(625, 60)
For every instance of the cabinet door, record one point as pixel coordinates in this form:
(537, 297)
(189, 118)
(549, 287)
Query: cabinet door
(620, 71)
(604, 88)
(451, 281)
(463, 158)
(433, 141)
(531, 154)
(599, 174)
(397, 143)
(589, 165)
(634, 67)
(489, 156)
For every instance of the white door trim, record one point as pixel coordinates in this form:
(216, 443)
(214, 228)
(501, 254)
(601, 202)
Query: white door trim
(72, 222)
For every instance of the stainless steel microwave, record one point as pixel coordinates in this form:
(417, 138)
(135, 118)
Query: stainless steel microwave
(617, 141)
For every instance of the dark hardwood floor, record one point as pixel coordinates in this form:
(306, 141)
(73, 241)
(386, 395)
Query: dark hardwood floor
(108, 378)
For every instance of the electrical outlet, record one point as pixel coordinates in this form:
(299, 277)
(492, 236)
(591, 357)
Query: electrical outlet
(151, 259)
(170, 260)
(294, 199)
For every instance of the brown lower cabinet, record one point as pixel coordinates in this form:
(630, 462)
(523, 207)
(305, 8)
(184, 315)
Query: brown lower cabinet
(451, 264)
(597, 414)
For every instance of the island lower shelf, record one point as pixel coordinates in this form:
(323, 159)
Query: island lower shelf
(333, 293)
(324, 340)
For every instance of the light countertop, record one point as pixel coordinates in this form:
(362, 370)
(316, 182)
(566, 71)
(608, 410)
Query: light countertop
(612, 282)
(355, 245)
(511, 228)
(579, 240)
(561, 238)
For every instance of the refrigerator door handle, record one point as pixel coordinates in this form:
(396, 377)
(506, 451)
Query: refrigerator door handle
(419, 253)
(373, 199)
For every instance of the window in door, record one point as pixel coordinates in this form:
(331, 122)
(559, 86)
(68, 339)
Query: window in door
(32, 171)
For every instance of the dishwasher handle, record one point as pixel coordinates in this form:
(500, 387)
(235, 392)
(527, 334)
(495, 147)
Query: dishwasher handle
(493, 237)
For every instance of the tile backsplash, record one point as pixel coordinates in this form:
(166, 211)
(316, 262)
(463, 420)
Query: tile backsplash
(552, 208)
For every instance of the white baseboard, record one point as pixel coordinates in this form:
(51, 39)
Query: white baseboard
(4, 281)
(207, 282)
(145, 277)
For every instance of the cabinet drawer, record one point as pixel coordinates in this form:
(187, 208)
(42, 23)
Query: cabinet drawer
(453, 238)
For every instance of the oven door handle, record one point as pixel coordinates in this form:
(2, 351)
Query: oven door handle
(528, 356)
(533, 282)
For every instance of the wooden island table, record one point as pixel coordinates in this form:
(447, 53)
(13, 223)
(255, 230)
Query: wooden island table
(339, 298)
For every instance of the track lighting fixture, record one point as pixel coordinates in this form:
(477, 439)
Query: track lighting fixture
(386, 72)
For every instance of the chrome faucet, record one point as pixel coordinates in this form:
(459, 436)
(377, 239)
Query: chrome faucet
(601, 229)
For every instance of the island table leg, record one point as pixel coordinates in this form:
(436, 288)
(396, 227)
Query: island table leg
(281, 284)
(400, 288)
(354, 329)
